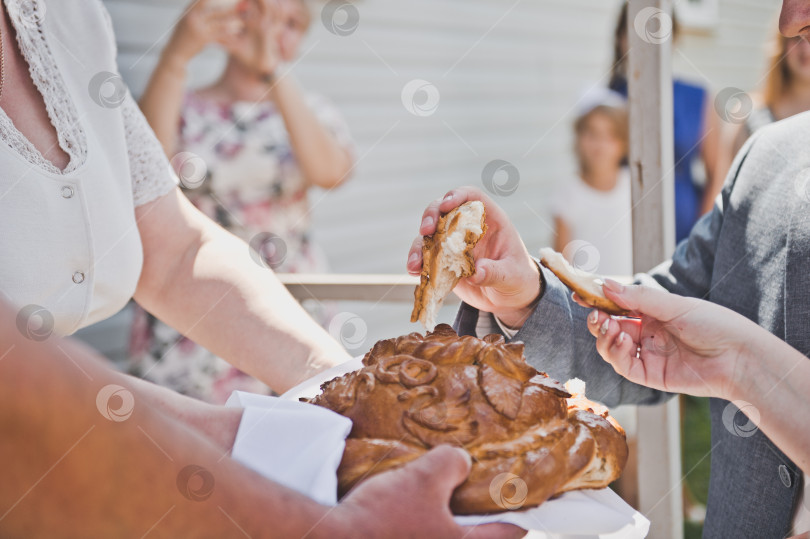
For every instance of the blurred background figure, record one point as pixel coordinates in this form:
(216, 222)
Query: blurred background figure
(785, 91)
(591, 212)
(696, 135)
(247, 148)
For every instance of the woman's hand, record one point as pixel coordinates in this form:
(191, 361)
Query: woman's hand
(200, 26)
(506, 280)
(257, 45)
(678, 344)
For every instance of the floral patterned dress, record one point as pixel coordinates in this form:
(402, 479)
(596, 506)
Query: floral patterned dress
(237, 167)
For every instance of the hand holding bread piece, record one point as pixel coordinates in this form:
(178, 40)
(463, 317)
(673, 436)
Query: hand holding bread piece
(506, 281)
(447, 257)
(588, 287)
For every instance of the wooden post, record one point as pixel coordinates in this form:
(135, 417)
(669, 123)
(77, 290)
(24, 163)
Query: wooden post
(652, 172)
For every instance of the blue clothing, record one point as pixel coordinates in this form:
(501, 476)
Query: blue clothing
(688, 101)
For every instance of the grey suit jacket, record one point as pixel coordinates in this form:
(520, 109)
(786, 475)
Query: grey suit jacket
(750, 254)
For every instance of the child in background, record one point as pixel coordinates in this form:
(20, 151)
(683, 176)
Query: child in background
(592, 211)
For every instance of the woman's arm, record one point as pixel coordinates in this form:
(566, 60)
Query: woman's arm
(202, 281)
(692, 346)
(162, 99)
(324, 162)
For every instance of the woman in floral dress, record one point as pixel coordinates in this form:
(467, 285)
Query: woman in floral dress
(247, 149)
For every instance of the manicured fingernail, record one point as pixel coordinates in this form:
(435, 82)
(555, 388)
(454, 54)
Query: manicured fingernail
(593, 317)
(448, 196)
(614, 286)
(622, 336)
(426, 222)
(605, 326)
(413, 258)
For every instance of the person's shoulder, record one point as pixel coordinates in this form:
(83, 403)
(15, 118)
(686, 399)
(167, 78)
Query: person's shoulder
(566, 191)
(92, 12)
(771, 156)
(88, 20)
(790, 136)
(574, 185)
(791, 127)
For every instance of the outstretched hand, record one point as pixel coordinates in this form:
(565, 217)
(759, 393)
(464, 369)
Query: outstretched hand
(677, 344)
(506, 280)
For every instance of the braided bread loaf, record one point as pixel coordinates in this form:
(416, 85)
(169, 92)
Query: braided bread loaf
(527, 439)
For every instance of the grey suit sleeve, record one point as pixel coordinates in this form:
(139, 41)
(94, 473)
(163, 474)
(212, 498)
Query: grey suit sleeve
(558, 342)
(556, 336)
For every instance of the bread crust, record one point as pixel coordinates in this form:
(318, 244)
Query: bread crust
(528, 437)
(585, 285)
(433, 282)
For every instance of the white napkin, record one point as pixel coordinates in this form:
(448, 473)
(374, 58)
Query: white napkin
(320, 439)
(580, 514)
(293, 443)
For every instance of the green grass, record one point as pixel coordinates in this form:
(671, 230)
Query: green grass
(695, 444)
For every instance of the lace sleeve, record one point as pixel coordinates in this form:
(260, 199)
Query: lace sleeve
(152, 175)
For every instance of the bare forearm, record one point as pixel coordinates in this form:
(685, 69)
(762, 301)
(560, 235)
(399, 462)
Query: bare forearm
(218, 424)
(203, 282)
(76, 471)
(774, 378)
(162, 99)
(323, 161)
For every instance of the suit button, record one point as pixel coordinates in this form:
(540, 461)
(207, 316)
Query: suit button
(67, 192)
(784, 475)
(78, 277)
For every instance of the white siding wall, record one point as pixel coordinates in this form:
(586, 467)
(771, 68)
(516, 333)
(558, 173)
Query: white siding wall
(509, 75)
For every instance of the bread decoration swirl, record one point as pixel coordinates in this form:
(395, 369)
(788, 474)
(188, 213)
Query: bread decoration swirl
(415, 392)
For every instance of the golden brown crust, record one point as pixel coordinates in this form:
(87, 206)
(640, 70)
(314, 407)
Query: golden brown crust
(522, 428)
(431, 262)
(583, 284)
(424, 278)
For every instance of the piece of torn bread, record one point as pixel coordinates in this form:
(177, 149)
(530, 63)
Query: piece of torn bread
(588, 287)
(446, 258)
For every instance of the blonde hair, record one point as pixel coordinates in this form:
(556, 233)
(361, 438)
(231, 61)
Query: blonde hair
(620, 123)
(778, 79)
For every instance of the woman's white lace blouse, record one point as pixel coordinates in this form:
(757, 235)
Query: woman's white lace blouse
(70, 246)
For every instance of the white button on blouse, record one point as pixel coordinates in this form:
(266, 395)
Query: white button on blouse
(69, 240)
